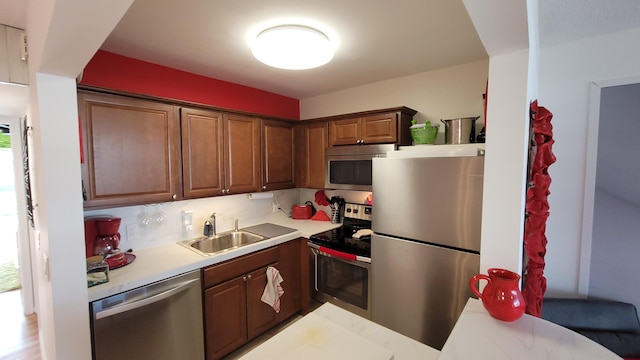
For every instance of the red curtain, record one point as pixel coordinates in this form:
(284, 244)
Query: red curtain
(537, 207)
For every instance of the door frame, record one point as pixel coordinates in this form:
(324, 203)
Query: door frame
(25, 248)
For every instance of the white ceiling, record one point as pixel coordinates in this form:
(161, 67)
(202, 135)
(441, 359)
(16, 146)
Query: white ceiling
(388, 40)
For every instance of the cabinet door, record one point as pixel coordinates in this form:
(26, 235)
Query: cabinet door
(344, 132)
(12, 66)
(291, 271)
(380, 129)
(277, 155)
(311, 147)
(260, 316)
(131, 150)
(225, 317)
(242, 153)
(202, 153)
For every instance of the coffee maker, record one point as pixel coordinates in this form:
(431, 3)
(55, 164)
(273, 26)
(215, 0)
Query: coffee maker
(101, 235)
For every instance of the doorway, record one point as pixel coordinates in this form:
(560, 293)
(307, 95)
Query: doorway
(9, 277)
(612, 196)
(15, 247)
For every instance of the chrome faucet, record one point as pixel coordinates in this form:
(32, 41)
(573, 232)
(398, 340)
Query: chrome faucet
(210, 226)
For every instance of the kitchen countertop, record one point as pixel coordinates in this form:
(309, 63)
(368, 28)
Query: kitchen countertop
(477, 335)
(165, 261)
(357, 337)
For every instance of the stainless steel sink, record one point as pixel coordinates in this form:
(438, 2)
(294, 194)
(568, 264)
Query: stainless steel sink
(221, 242)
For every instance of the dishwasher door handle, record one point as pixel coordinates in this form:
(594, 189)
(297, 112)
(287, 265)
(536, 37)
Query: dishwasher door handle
(146, 301)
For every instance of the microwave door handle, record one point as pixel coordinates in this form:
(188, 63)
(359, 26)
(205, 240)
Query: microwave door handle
(144, 302)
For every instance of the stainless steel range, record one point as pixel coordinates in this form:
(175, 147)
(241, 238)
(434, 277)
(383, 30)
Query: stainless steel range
(341, 262)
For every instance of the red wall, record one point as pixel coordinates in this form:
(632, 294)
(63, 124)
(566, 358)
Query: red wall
(116, 72)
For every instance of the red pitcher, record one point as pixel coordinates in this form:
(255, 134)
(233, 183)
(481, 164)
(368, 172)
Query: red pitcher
(501, 297)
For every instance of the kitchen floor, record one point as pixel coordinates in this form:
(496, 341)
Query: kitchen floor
(267, 335)
(19, 333)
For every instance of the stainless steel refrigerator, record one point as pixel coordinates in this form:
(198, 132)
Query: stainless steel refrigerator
(426, 242)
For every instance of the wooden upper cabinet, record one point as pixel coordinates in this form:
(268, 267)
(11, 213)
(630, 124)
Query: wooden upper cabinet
(374, 129)
(311, 146)
(379, 129)
(202, 153)
(385, 126)
(345, 132)
(277, 155)
(131, 150)
(242, 153)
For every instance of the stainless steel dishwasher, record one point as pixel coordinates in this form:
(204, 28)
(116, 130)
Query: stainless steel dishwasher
(162, 320)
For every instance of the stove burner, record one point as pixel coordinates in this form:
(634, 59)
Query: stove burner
(356, 217)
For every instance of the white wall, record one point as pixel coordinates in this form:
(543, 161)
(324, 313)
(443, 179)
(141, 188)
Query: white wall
(615, 250)
(56, 179)
(505, 163)
(448, 93)
(63, 35)
(566, 72)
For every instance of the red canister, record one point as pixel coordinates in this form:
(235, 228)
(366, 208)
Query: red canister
(301, 212)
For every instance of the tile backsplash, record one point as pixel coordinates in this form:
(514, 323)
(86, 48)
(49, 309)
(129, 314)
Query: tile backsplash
(135, 235)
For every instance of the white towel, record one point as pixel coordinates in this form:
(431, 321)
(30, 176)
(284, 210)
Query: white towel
(273, 290)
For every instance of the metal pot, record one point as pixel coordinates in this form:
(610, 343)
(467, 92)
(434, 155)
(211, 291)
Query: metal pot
(460, 131)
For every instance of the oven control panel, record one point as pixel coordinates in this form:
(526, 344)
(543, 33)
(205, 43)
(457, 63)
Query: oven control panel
(358, 211)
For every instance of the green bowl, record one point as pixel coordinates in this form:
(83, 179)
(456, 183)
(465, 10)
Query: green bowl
(426, 135)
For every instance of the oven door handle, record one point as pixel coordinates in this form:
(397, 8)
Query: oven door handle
(340, 254)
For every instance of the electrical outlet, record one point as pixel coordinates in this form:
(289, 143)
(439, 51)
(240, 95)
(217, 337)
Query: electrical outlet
(132, 232)
(187, 220)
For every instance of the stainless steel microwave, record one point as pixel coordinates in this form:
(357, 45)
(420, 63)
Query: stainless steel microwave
(349, 167)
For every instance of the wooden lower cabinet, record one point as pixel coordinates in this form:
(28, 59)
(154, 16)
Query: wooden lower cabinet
(233, 309)
(225, 317)
(260, 316)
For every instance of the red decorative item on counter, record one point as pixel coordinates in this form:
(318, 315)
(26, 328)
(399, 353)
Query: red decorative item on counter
(321, 198)
(321, 216)
(501, 297)
(537, 207)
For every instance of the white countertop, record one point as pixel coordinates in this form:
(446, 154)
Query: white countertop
(477, 335)
(164, 261)
(356, 338)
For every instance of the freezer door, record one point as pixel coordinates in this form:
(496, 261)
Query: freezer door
(436, 200)
(419, 290)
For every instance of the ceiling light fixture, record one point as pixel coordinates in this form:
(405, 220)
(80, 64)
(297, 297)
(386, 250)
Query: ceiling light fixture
(292, 47)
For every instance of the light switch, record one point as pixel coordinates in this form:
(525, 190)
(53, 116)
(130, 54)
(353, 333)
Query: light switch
(45, 265)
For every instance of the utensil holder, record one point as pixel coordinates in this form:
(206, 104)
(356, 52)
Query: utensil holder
(335, 215)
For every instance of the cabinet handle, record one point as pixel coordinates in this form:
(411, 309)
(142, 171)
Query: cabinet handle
(249, 277)
(228, 191)
(264, 187)
(174, 196)
(244, 278)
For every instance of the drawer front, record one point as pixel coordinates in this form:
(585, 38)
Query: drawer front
(218, 273)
